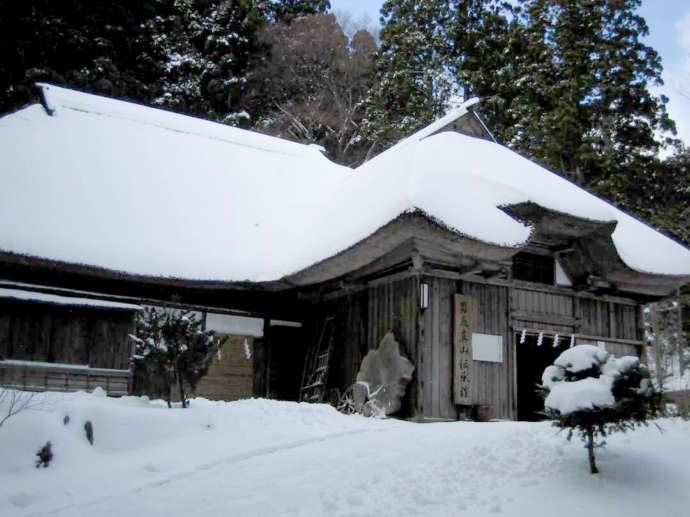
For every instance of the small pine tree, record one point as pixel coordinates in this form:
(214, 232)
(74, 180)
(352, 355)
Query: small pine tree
(172, 348)
(595, 394)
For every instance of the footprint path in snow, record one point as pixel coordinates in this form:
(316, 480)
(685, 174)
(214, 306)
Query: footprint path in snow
(450, 486)
(185, 474)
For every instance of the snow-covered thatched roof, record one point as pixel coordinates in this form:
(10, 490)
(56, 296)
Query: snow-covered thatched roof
(129, 188)
(466, 182)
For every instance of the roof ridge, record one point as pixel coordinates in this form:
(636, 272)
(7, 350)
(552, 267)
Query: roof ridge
(55, 97)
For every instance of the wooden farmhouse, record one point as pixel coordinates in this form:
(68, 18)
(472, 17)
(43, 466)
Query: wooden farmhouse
(483, 264)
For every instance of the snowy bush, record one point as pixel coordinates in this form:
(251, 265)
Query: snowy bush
(172, 349)
(594, 393)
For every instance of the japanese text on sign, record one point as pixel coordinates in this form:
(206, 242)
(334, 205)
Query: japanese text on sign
(462, 349)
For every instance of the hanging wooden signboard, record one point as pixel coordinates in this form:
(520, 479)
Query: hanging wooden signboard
(463, 325)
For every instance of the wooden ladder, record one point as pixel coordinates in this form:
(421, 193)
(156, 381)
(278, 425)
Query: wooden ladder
(316, 363)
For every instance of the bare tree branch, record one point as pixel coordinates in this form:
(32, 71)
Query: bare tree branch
(13, 402)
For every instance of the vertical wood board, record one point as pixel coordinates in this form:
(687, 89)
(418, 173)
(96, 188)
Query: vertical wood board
(463, 326)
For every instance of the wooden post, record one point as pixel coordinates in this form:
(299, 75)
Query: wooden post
(421, 346)
(267, 345)
(512, 350)
(463, 326)
(681, 340)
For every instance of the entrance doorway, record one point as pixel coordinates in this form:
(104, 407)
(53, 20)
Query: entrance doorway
(533, 357)
(287, 351)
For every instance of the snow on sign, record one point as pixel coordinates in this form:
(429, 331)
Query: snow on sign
(487, 347)
(463, 324)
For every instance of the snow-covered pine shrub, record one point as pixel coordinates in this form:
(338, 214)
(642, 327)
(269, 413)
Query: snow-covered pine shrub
(594, 393)
(172, 348)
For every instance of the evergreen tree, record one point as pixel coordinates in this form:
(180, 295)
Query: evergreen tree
(413, 82)
(189, 55)
(564, 82)
(205, 48)
(661, 195)
(595, 394)
(172, 349)
(585, 109)
(97, 46)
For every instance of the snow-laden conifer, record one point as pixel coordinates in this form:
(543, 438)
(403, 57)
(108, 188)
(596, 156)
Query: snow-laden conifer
(591, 392)
(173, 349)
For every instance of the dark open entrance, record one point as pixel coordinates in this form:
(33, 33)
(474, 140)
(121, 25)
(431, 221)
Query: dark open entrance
(532, 359)
(287, 348)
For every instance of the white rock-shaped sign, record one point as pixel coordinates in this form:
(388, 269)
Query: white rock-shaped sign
(382, 379)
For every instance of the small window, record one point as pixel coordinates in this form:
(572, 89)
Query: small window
(562, 277)
(533, 268)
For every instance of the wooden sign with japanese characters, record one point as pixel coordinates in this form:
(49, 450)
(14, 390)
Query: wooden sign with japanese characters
(463, 325)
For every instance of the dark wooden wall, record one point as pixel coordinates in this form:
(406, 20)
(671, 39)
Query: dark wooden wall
(575, 312)
(363, 318)
(494, 383)
(65, 334)
(436, 356)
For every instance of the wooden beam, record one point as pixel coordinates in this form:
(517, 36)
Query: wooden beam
(541, 317)
(586, 337)
(610, 339)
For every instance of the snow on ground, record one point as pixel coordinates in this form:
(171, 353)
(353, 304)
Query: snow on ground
(263, 457)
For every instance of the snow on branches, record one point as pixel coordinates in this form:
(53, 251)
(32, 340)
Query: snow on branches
(172, 348)
(591, 391)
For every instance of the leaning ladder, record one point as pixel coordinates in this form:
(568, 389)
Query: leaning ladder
(315, 373)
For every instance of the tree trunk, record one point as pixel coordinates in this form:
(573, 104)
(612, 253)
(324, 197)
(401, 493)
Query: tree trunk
(180, 384)
(658, 344)
(590, 450)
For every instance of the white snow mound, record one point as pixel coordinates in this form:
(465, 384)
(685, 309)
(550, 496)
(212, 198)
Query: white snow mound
(280, 459)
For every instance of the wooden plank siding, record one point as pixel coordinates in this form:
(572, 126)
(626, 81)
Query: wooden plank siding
(363, 318)
(532, 308)
(494, 383)
(626, 321)
(42, 376)
(436, 377)
(594, 315)
(230, 376)
(542, 302)
(64, 334)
